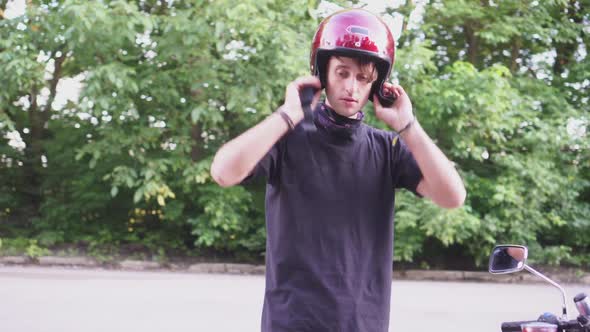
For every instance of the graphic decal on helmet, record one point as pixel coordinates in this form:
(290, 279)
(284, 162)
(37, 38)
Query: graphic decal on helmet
(357, 29)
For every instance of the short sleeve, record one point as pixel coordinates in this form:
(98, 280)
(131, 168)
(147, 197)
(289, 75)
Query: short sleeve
(267, 166)
(405, 171)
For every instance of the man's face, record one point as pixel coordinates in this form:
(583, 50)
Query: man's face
(348, 85)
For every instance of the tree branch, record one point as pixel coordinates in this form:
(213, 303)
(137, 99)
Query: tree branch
(514, 53)
(33, 100)
(532, 72)
(53, 83)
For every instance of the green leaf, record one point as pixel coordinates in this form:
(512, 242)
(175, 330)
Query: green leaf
(137, 197)
(196, 115)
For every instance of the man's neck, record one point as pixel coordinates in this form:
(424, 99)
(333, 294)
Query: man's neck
(354, 116)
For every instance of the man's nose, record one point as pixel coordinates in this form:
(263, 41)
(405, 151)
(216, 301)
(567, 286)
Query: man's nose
(351, 85)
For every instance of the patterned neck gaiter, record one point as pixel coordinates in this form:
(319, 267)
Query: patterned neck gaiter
(335, 123)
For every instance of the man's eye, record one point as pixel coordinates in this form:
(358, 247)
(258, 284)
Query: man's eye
(343, 74)
(362, 78)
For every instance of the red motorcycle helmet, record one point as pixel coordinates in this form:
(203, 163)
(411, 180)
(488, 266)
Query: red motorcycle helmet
(353, 33)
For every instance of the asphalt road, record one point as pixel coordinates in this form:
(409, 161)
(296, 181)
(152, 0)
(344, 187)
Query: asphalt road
(36, 299)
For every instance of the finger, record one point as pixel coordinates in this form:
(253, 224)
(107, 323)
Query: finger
(376, 102)
(397, 91)
(389, 90)
(387, 85)
(400, 90)
(316, 99)
(308, 81)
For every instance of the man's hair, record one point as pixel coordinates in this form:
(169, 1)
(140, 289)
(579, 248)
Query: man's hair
(366, 63)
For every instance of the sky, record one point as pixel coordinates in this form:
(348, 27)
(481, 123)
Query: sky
(14, 8)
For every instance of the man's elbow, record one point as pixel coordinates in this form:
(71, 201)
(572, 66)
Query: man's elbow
(222, 182)
(219, 176)
(455, 199)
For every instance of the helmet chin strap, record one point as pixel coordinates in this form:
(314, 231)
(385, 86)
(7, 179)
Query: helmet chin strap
(385, 100)
(306, 97)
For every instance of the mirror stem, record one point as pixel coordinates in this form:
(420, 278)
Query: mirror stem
(539, 274)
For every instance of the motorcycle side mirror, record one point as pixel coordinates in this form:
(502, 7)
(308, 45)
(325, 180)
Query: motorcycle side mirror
(512, 258)
(508, 259)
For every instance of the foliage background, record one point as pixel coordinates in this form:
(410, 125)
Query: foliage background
(123, 167)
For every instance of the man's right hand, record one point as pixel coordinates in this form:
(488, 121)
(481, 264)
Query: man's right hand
(292, 105)
(238, 157)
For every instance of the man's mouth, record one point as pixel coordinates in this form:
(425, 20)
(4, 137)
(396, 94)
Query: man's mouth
(352, 100)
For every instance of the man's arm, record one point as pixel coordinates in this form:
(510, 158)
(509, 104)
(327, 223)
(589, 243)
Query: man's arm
(237, 158)
(441, 183)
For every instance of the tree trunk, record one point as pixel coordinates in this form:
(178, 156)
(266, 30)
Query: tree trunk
(514, 53)
(472, 44)
(38, 118)
(32, 157)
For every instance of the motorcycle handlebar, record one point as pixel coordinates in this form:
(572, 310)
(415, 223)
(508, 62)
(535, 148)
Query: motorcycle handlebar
(514, 326)
(569, 326)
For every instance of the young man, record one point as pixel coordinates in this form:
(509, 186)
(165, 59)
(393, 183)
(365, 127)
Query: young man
(330, 192)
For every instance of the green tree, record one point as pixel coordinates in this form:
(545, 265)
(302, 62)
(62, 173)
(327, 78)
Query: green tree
(488, 92)
(501, 86)
(163, 85)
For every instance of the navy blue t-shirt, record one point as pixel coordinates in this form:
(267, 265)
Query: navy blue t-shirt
(329, 218)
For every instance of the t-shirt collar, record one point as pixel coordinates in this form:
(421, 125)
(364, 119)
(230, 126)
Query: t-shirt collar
(335, 124)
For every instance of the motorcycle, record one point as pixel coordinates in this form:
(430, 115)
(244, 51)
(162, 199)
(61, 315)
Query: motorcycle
(513, 258)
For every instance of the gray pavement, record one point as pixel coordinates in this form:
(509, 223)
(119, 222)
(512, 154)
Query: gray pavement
(34, 299)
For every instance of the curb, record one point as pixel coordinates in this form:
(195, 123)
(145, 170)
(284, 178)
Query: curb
(15, 260)
(65, 261)
(250, 269)
(133, 265)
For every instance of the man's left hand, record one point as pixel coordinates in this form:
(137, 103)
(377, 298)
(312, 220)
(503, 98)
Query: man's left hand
(400, 113)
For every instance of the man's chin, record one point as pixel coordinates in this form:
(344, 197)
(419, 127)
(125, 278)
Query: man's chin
(347, 111)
